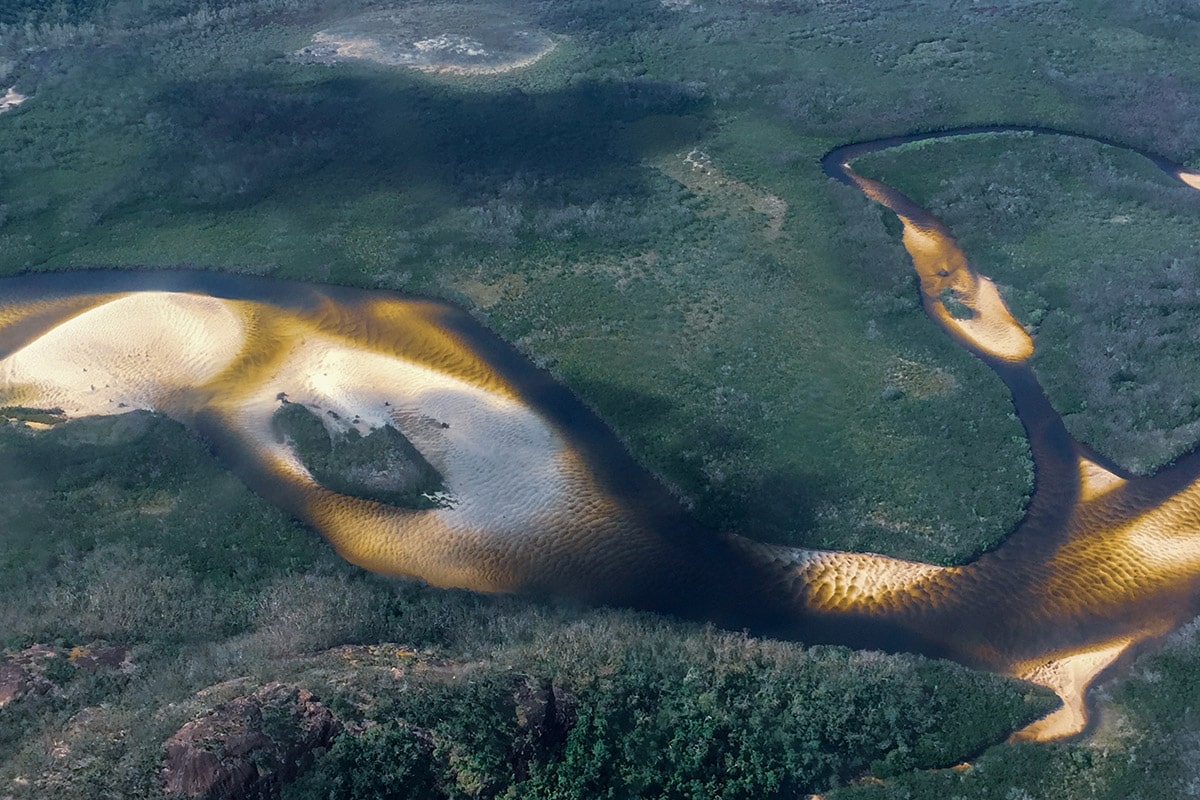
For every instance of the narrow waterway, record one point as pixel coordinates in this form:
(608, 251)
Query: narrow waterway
(541, 498)
(1102, 561)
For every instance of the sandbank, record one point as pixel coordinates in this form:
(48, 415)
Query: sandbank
(446, 40)
(988, 327)
(184, 358)
(1069, 677)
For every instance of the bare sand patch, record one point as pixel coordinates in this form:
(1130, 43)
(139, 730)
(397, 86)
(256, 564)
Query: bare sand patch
(513, 480)
(485, 293)
(11, 99)
(1189, 177)
(1095, 481)
(442, 39)
(1069, 677)
(967, 304)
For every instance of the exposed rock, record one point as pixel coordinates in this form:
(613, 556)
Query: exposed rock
(41, 669)
(248, 747)
(545, 714)
(17, 681)
(101, 658)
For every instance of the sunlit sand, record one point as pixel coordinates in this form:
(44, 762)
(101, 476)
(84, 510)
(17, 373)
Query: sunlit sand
(947, 281)
(1095, 481)
(1069, 677)
(540, 498)
(1192, 179)
(514, 481)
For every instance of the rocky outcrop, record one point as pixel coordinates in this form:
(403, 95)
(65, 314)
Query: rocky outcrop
(545, 715)
(248, 747)
(43, 669)
(18, 681)
(101, 658)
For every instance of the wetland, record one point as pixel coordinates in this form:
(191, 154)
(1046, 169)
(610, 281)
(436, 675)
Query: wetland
(810, 403)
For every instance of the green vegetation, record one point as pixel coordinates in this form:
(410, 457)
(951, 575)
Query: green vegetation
(107, 540)
(782, 377)
(657, 714)
(382, 466)
(1142, 748)
(1094, 248)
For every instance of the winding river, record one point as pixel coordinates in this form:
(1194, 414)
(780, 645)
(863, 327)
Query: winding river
(540, 498)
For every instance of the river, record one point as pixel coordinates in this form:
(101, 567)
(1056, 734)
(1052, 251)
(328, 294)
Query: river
(543, 499)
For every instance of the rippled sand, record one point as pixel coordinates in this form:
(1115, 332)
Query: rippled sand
(541, 498)
(524, 511)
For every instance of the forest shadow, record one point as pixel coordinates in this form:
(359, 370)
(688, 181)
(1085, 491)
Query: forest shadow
(777, 506)
(234, 142)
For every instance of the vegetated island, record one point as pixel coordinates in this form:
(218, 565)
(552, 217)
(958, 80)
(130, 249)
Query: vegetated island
(219, 594)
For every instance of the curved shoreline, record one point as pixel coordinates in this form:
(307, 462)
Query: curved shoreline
(1067, 474)
(543, 498)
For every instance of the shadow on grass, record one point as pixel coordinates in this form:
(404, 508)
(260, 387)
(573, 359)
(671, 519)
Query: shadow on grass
(236, 141)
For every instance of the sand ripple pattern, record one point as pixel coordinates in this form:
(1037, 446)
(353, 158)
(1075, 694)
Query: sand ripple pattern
(541, 498)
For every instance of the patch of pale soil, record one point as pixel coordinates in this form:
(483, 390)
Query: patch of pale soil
(11, 99)
(704, 315)
(485, 294)
(920, 381)
(880, 517)
(440, 39)
(696, 170)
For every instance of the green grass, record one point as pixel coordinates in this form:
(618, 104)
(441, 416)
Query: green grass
(790, 388)
(774, 353)
(1092, 246)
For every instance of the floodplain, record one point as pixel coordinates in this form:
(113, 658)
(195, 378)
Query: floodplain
(780, 377)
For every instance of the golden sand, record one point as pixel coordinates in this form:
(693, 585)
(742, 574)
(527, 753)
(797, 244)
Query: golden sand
(529, 505)
(513, 479)
(1189, 177)
(1095, 481)
(984, 323)
(1069, 677)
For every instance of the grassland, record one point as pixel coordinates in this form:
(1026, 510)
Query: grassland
(547, 202)
(1093, 245)
(780, 375)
